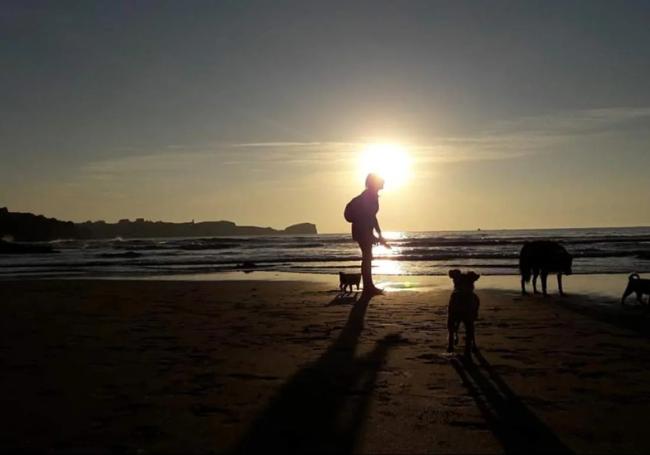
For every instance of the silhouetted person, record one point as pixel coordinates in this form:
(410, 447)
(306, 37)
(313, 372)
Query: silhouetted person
(362, 213)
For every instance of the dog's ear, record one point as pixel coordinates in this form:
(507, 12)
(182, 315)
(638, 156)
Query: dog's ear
(454, 273)
(474, 276)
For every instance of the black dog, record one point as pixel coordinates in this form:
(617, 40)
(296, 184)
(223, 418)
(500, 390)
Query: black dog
(349, 279)
(542, 257)
(636, 284)
(463, 307)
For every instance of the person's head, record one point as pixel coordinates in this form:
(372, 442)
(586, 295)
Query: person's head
(374, 182)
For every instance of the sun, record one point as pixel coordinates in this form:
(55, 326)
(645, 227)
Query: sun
(390, 161)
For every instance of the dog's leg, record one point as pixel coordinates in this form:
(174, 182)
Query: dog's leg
(535, 274)
(523, 286)
(559, 283)
(544, 277)
(474, 346)
(628, 291)
(450, 330)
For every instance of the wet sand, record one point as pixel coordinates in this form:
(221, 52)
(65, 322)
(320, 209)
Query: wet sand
(179, 366)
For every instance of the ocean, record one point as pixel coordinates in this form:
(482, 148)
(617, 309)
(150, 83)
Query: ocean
(488, 252)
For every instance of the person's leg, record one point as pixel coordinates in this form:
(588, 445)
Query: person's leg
(366, 265)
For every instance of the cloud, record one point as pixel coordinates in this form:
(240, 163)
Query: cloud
(154, 163)
(577, 122)
(531, 135)
(512, 139)
(290, 144)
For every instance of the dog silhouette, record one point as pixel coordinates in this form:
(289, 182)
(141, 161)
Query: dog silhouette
(463, 307)
(542, 257)
(639, 285)
(349, 279)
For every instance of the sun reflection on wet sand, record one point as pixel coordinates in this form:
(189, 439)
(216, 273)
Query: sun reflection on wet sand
(390, 276)
(389, 268)
(386, 267)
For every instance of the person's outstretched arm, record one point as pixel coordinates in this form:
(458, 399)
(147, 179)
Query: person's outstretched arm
(381, 239)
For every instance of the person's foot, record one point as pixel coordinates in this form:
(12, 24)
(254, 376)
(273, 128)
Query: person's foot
(373, 290)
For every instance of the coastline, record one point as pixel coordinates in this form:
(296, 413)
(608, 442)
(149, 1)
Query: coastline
(199, 366)
(600, 287)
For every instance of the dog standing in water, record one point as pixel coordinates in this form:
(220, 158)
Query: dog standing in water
(463, 307)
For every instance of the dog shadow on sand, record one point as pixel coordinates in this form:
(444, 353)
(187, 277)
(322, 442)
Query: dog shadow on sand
(517, 428)
(345, 298)
(323, 406)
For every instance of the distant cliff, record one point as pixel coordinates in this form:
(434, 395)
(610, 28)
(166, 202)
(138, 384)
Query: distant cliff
(142, 228)
(29, 227)
(301, 228)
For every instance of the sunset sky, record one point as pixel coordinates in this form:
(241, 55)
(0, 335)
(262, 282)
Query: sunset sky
(511, 114)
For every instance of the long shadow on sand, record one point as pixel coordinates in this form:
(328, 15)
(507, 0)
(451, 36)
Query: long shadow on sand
(515, 426)
(321, 409)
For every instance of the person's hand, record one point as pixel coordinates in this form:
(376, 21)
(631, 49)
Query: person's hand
(382, 241)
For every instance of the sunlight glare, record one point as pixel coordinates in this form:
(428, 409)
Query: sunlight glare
(387, 267)
(390, 161)
(394, 235)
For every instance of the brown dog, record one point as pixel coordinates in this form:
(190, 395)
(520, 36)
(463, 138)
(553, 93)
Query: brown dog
(636, 284)
(463, 307)
(349, 279)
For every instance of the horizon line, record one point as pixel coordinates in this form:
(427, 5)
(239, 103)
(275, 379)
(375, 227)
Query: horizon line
(255, 224)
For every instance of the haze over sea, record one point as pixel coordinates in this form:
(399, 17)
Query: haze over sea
(489, 252)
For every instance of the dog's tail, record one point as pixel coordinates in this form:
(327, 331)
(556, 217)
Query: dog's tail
(634, 276)
(525, 265)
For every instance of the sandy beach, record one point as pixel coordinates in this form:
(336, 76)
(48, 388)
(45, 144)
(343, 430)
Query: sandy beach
(173, 366)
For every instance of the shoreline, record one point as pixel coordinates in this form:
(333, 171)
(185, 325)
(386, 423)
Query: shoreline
(608, 286)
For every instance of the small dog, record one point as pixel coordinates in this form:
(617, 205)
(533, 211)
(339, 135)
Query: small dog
(349, 279)
(639, 285)
(463, 307)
